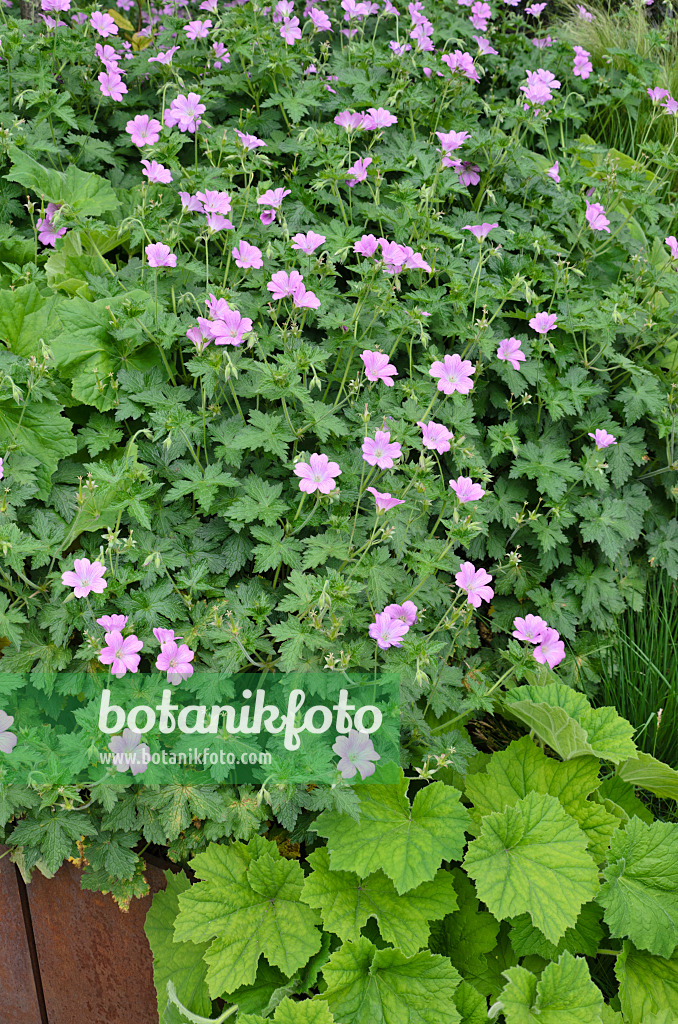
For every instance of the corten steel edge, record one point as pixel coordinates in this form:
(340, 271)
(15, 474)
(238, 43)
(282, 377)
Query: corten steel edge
(68, 955)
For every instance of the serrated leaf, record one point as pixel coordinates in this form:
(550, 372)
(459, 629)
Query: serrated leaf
(583, 938)
(248, 902)
(407, 843)
(346, 903)
(564, 994)
(648, 985)
(532, 859)
(366, 985)
(640, 894)
(180, 962)
(471, 1004)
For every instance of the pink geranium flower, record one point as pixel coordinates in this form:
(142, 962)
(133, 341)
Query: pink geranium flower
(121, 654)
(384, 501)
(509, 351)
(321, 23)
(198, 29)
(542, 323)
(129, 752)
(112, 85)
(307, 243)
(350, 121)
(283, 284)
(163, 635)
(530, 629)
(453, 374)
(290, 31)
(317, 474)
(155, 172)
(160, 255)
(184, 112)
(452, 140)
(603, 439)
(366, 246)
(103, 24)
(466, 490)
(407, 612)
(144, 130)
(380, 450)
(358, 171)
(175, 660)
(387, 632)
(378, 117)
(595, 215)
(305, 299)
(190, 203)
(377, 367)
(246, 256)
(553, 172)
(231, 328)
(248, 141)
(8, 740)
(672, 243)
(273, 197)
(551, 649)
(110, 622)
(47, 233)
(164, 57)
(356, 754)
(480, 231)
(475, 583)
(85, 577)
(435, 436)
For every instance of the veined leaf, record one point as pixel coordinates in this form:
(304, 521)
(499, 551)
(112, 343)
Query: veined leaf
(648, 985)
(564, 994)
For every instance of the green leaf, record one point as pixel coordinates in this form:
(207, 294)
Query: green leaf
(26, 317)
(38, 429)
(467, 935)
(366, 985)
(564, 994)
(640, 895)
(647, 772)
(248, 901)
(407, 843)
(584, 937)
(181, 962)
(346, 903)
(88, 195)
(471, 1004)
(289, 1011)
(647, 985)
(548, 464)
(565, 720)
(532, 858)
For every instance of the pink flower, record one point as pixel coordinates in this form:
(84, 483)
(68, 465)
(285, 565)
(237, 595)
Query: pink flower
(175, 661)
(480, 231)
(8, 740)
(2, 470)
(267, 217)
(273, 197)
(358, 171)
(453, 374)
(103, 24)
(603, 439)
(378, 117)
(583, 13)
(406, 612)
(163, 635)
(317, 474)
(543, 322)
(452, 140)
(184, 112)
(121, 654)
(670, 105)
(112, 85)
(582, 65)
(248, 141)
(657, 94)
(108, 56)
(393, 256)
(462, 62)
(47, 233)
(246, 256)
(85, 576)
(156, 172)
(672, 243)
(164, 57)
(159, 255)
(531, 629)
(509, 351)
(366, 246)
(535, 9)
(56, 5)
(377, 367)
(283, 284)
(383, 500)
(387, 632)
(304, 299)
(485, 46)
(356, 754)
(144, 130)
(350, 121)
(474, 582)
(595, 215)
(231, 328)
(551, 649)
(435, 436)
(290, 31)
(380, 450)
(466, 490)
(198, 29)
(129, 752)
(110, 622)
(307, 243)
(321, 23)
(467, 173)
(553, 172)
(413, 260)
(190, 203)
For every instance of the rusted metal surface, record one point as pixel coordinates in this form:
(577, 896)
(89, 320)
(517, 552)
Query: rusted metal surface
(18, 998)
(95, 962)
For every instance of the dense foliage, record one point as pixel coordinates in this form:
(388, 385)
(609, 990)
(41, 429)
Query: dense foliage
(266, 294)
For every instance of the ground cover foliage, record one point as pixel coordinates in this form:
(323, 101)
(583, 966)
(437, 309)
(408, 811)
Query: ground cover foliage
(268, 286)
